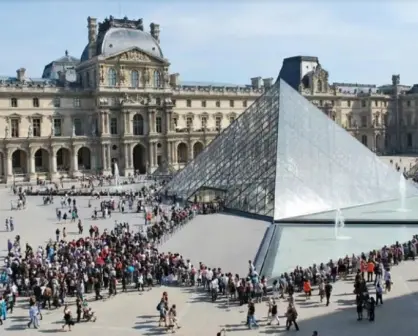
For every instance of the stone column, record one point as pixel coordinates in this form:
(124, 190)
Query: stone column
(31, 165)
(108, 161)
(104, 157)
(130, 155)
(74, 162)
(151, 154)
(9, 164)
(175, 153)
(53, 164)
(151, 119)
(168, 121)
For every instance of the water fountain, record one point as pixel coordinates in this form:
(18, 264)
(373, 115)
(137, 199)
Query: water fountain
(339, 225)
(402, 193)
(116, 174)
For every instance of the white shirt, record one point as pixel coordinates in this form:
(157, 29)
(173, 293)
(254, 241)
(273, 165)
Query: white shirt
(387, 276)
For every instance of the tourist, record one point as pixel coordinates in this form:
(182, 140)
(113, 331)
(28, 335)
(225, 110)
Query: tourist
(291, 316)
(379, 294)
(67, 318)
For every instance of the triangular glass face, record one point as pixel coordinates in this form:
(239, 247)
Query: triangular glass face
(321, 167)
(241, 160)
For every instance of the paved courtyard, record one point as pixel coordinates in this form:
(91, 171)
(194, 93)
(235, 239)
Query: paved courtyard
(218, 240)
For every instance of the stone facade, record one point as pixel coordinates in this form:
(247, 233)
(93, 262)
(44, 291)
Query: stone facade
(120, 104)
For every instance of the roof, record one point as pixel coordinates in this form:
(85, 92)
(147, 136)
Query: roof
(116, 40)
(197, 83)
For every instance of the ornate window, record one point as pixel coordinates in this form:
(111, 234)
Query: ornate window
(158, 125)
(157, 79)
(35, 102)
(36, 125)
(57, 127)
(138, 125)
(13, 102)
(134, 79)
(111, 77)
(15, 127)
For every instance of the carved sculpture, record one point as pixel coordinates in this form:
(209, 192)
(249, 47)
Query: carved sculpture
(146, 76)
(6, 131)
(52, 129)
(73, 130)
(396, 79)
(30, 131)
(93, 128)
(166, 76)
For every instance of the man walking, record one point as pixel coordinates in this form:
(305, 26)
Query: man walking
(328, 290)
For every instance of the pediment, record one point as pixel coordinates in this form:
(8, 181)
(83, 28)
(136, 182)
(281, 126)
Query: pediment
(14, 116)
(37, 115)
(135, 55)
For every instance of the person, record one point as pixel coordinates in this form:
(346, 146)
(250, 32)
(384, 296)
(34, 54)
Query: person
(273, 313)
(359, 303)
(221, 333)
(328, 290)
(33, 315)
(67, 318)
(372, 305)
(379, 294)
(291, 315)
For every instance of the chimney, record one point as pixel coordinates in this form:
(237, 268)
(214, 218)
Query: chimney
(92, 28)
(268, 82)
(175, 79)
(155, 31)
(256, 82)
(21, 74)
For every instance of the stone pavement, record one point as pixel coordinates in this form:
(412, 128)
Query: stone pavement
(136, 314)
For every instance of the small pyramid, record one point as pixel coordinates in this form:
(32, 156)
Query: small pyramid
(284, 158)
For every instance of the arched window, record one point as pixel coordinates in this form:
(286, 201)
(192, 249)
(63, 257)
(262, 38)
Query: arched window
(111, 77)
(138, 125)
(134, 79)
(364, 140)
(157, 79)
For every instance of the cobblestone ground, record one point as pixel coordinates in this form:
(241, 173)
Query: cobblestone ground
(220, 241)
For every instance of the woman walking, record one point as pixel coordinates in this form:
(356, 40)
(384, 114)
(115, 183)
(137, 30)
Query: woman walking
(68, 319)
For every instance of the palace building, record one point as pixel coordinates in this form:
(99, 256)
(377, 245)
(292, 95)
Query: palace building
(119, 103)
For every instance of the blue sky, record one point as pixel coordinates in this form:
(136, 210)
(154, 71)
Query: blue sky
(228, 41)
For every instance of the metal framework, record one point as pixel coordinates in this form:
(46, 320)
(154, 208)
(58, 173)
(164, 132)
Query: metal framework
(241, 160)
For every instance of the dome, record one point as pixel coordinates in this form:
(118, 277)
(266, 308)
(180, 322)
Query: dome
(119, 39)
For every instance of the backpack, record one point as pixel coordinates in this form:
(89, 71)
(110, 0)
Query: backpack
(159, 306)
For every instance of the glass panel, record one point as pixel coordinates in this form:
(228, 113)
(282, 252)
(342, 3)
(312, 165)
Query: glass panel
(321, 167)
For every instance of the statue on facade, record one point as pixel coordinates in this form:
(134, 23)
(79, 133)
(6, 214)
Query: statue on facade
(30, 131)
(73, 130)
(93, 128)
(52, 129)
(6, 131)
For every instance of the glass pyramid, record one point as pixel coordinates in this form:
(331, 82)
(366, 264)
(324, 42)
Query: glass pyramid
(284, 158)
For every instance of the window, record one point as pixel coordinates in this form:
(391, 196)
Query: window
(87, 79)
(35, 102)
(385, 119)
(321, 103)
(349, 121)
(113, 126)
(138, 125)
(175, 122)
(189, 103)
(15, 128)
(158, 125)
(203, 103)
(78, 126)
(157, 79)
(409, 140)
(376, 103)
(189, 122)
(409, 119)
(111, 77)
(36, 125)
(57, 127)
(218, 103)
(76, 102)
(174, 102)
(349, 103)
(231, 103)
(408, 103)
(218, 121)
(13, 102)
(332, 102)
(363, 121)
(204, 122)
(244, 103)
(364, 140)
(134, 79)
(363, 103)
(57, 102)
(231, 119)
(158, 101)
